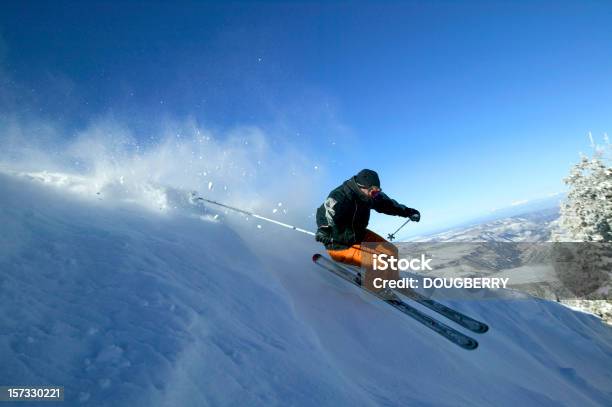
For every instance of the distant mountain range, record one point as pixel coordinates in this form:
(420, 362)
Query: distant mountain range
(532, 221)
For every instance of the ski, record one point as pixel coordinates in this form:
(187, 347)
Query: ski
(454, 315)
(392, 299)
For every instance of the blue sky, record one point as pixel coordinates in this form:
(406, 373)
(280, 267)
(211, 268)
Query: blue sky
(461, 106)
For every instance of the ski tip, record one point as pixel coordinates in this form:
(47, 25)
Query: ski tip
(316, 257)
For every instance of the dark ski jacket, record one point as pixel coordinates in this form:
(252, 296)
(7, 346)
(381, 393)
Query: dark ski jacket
(344, 216)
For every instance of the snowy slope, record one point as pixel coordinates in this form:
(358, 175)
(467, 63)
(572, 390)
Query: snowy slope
(124, 305)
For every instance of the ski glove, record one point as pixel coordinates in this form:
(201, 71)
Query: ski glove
(323, 237)
(413, 214)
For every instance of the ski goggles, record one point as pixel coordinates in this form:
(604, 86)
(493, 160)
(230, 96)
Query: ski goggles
(374, 191)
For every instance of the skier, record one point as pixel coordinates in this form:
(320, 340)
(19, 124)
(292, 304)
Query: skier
(343, 218)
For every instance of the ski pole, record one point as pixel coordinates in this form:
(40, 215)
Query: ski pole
(391, 236)
(257, 216)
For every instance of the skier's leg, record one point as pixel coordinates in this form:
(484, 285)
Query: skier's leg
(375, 244)
(351, 256)
(361, 255)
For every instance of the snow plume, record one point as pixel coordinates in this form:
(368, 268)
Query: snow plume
(108, 162)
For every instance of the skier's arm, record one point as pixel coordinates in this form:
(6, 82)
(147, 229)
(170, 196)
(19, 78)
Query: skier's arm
(386, 205)
(331, 218)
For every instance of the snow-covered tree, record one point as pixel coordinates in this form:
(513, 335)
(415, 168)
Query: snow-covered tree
(586, 214)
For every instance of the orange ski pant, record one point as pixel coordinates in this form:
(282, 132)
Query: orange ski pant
(360, 255)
